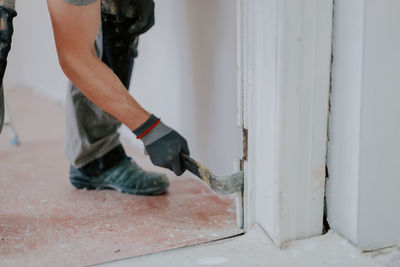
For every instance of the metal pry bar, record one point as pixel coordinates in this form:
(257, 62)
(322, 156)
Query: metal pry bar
(221, 184)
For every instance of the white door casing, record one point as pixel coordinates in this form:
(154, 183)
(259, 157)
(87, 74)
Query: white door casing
(284, 67)
(363, 160)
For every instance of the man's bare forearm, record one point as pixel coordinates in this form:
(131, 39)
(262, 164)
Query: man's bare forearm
(99, 83)
(75, 29)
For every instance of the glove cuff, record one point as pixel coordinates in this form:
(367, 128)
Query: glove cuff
(152, 130)
(145, 126)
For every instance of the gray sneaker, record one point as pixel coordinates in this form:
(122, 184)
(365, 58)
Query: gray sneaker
(125, 177)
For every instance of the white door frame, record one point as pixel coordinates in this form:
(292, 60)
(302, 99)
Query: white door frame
(284, 55)
(363, 159)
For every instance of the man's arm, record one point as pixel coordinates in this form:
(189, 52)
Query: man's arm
(75, 30)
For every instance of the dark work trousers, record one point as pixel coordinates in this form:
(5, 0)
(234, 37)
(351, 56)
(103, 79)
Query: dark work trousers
(90, 132)
(7, 13)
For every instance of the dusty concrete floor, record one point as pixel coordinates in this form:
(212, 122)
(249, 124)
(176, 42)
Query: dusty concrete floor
(388, 256)
(256, 249)
(44, 221)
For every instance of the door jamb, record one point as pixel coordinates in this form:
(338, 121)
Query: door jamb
(284, 55)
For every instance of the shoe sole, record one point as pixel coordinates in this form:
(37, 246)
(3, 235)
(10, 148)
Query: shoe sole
(80, 184)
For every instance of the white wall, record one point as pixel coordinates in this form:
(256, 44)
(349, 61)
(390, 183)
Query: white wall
(363, 160)
(185, 73)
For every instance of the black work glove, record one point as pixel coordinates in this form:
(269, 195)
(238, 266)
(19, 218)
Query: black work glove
(163, 144)
(139, 14)
(145, 16)
(6, 32)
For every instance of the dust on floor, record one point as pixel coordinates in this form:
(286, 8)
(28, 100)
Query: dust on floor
(44, 221)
